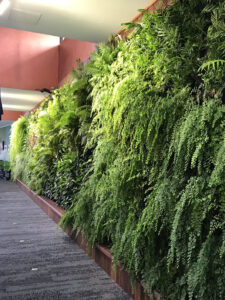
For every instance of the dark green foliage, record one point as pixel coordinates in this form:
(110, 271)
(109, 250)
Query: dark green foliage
(59, 129)
(65, 123)
(147, 173)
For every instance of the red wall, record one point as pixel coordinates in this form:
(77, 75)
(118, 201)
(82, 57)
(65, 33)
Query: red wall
(69, 52)
(12, 115)
(28, 60)
(33, 61)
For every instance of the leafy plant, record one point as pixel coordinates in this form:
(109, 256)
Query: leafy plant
(134, 147)
(215, 64)
(157, 128)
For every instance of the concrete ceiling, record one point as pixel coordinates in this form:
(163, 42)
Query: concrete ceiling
(87, 20)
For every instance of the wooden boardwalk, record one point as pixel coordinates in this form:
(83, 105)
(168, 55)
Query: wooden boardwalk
(39, 262)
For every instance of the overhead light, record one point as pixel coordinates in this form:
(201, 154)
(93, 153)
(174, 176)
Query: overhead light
(20, 100)
(4, 5)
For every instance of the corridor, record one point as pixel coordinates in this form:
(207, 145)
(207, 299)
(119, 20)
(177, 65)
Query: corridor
(39, 262)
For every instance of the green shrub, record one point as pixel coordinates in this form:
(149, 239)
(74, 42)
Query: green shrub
(6, 166)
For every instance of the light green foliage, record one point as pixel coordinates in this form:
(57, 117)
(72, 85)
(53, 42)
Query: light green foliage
(149, 165)
(18, 146)
(215, 64)
(156, 194)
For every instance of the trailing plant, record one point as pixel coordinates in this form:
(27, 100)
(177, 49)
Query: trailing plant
(158, 128)
(135, 145)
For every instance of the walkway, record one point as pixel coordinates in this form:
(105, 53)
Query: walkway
(37, 262)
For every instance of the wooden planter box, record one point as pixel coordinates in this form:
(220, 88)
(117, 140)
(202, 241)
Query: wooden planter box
(101, 255)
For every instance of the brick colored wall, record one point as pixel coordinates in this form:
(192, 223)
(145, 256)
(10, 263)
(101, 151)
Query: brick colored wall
(69, 52)
(28, 60)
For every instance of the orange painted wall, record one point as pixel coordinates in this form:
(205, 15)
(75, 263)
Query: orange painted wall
(12, 115)
(28, 60)
(69, 52)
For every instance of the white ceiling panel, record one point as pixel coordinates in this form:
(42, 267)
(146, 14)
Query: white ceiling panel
(20, 100)
(87, 20)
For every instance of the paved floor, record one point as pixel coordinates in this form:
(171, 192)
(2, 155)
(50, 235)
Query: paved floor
(39, 262)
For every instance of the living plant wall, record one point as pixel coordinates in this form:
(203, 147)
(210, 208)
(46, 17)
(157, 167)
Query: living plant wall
(134, 148)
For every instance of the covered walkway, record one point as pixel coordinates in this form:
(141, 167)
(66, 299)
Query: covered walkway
(39, 262)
